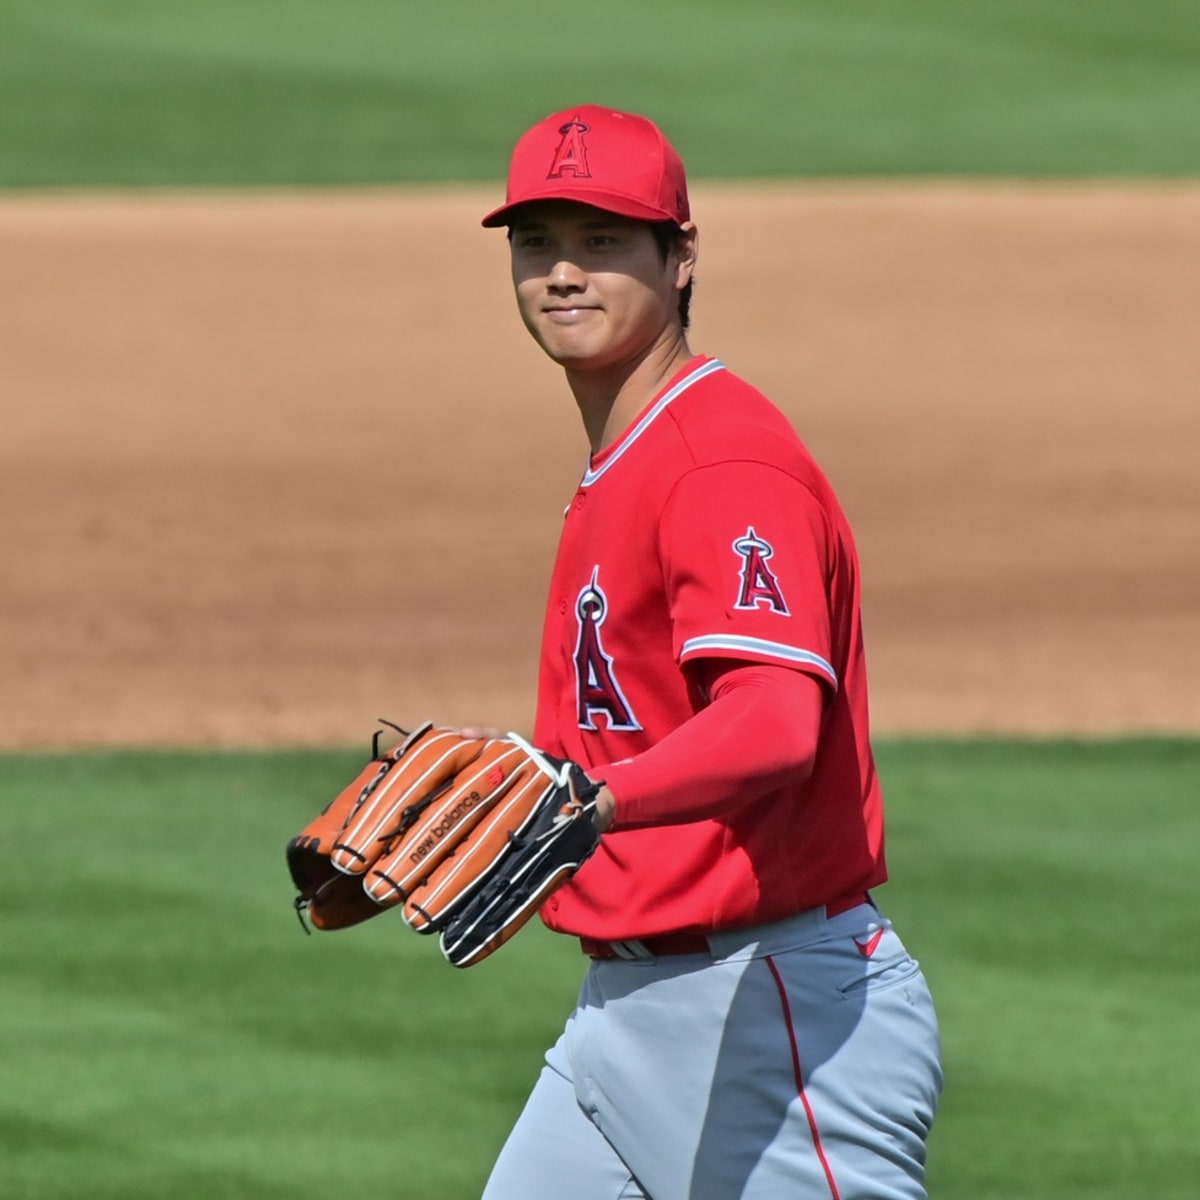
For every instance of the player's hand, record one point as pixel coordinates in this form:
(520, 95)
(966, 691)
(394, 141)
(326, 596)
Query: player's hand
(478, 731)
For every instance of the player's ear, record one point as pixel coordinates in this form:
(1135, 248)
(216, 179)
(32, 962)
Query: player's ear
(687, 250)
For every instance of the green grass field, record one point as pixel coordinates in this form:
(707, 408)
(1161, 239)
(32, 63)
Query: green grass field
(149, 92)
(169, 1031)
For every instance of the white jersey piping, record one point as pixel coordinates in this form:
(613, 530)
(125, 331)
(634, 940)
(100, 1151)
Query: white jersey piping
(590, 476)
(760, 646)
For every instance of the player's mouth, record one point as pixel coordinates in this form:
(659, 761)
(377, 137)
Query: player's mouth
(568, 314)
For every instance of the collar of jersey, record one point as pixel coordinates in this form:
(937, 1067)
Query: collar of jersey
(647, 419)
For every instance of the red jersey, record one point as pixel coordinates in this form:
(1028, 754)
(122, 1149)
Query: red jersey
(707, 531)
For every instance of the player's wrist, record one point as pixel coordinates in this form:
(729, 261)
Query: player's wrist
(606, 809)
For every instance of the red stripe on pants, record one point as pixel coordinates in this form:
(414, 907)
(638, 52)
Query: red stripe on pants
(799, 1074)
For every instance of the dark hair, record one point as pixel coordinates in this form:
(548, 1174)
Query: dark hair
(666, 234)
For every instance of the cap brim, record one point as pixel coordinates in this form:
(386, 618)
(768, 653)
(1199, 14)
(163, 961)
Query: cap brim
(623, 206)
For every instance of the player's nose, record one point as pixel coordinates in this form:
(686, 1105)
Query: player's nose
(566, 275)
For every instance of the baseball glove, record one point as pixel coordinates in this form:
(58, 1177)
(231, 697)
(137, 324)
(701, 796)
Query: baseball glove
(466, 836)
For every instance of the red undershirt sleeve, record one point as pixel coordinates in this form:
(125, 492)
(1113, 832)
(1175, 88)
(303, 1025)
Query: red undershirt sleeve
(758, 732)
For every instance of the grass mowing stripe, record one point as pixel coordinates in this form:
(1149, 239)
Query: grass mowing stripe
(149, 93)
(169, 1030)
(1047, 887)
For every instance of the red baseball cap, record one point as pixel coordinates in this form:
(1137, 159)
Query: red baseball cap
(616, 161)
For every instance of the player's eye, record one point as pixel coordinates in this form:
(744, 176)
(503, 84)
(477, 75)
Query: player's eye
(532, 241)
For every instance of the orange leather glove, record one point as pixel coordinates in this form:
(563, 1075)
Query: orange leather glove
(467, 836)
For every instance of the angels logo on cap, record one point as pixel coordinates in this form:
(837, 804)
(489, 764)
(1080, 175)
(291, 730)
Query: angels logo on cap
(617, 161)
(571, 155)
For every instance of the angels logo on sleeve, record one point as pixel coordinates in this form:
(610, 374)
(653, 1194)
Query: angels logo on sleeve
(759, 585)
(596, 683)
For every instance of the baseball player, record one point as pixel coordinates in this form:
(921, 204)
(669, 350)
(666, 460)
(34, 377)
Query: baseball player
(749, 1024)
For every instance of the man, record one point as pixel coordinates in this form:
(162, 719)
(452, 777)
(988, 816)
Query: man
(749, 1025)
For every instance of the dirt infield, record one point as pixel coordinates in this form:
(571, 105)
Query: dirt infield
(252, 453)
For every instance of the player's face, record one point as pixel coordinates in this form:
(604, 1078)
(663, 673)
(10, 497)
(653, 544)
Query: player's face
(592, 287)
